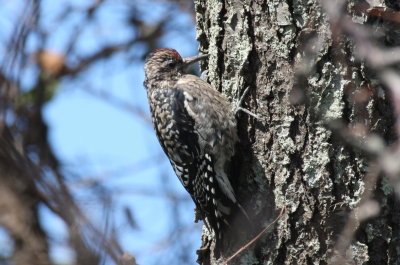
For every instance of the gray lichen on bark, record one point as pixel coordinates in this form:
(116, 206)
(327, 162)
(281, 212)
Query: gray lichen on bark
(294, 158)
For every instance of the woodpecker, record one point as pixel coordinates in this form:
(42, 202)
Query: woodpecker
(196, 128)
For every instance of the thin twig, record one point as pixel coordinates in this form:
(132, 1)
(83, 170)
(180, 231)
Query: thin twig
(255, 238)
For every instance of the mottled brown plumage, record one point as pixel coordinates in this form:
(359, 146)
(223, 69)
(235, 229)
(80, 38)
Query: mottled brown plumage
(196, 127)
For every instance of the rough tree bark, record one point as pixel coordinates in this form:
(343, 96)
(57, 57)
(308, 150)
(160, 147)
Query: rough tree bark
(293, 158)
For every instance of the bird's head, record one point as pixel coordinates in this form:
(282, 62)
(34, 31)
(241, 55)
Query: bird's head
(168, 61)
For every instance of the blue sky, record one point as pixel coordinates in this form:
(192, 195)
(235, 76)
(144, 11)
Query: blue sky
(97, 140)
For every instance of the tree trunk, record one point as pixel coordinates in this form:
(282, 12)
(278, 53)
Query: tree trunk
(309, 89)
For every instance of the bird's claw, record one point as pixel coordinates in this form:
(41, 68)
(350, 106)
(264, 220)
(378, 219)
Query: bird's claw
(240, 108)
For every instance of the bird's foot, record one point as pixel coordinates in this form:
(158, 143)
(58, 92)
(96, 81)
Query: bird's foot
(204, 75)
(240, 108)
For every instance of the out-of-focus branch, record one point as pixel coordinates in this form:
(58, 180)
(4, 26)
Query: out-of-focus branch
(366, 208)
(378, 11)
(119, 103)
(147, 34)
(104, 53)
(19, 202)
(385, 157)
(21, 116)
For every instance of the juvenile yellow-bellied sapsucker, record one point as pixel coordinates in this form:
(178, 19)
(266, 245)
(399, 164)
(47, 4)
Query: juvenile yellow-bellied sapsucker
(196, 127)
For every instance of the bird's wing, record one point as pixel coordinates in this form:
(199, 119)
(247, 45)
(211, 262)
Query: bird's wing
(207, 108)
(214, 123)
(174, 128)
(199, 172)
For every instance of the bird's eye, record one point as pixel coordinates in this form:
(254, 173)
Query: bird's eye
(171, 64)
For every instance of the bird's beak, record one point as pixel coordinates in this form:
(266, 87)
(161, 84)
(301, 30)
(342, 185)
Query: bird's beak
(189, 60)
